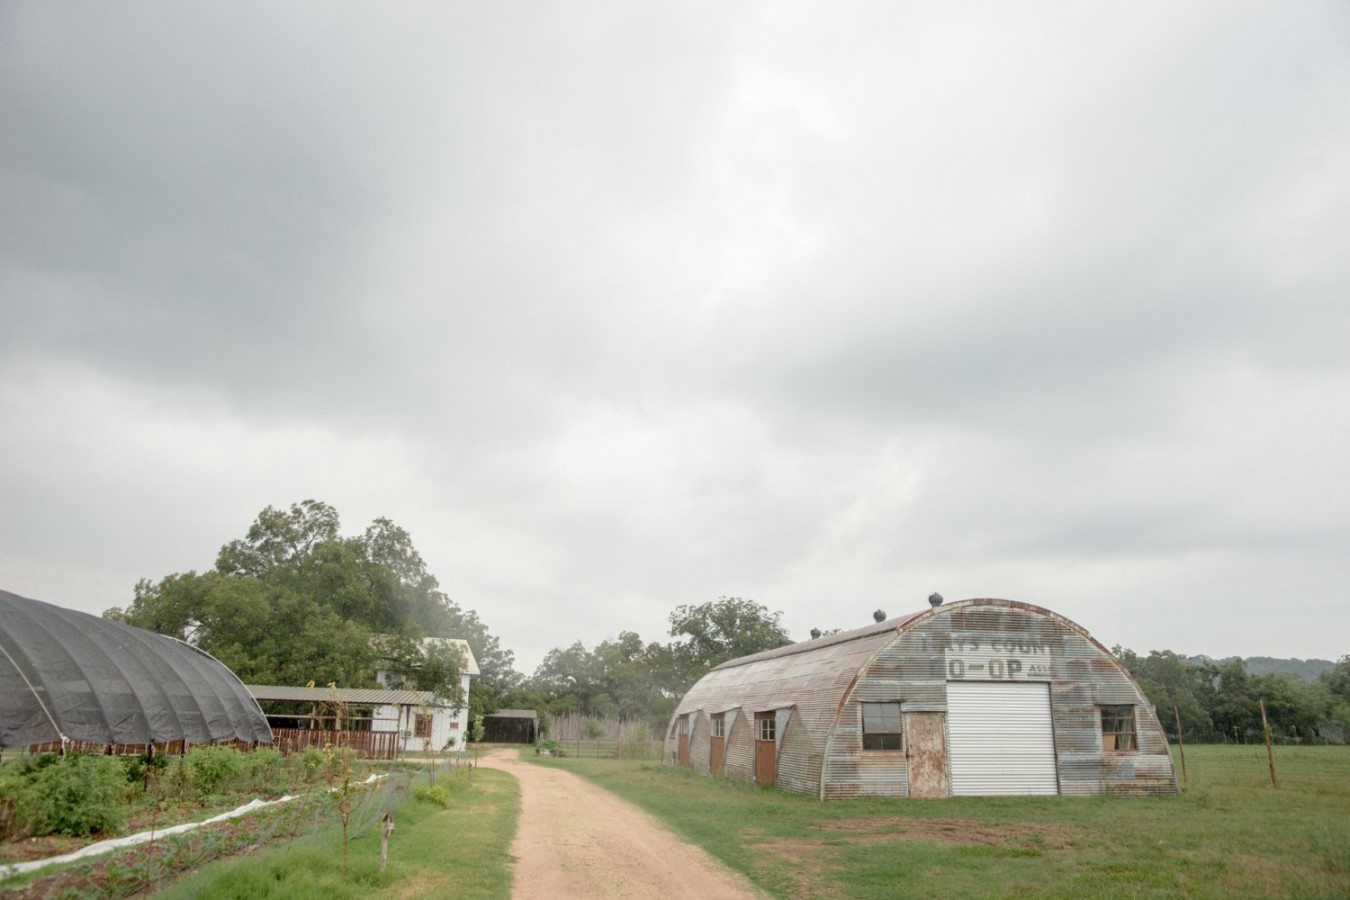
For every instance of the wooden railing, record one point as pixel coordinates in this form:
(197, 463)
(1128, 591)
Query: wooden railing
(367, 744)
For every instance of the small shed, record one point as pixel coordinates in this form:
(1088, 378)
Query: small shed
(72, 680)
(511, 726)
(976, 698)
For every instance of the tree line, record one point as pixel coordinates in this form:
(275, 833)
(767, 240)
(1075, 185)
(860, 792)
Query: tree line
(628, 678)
(294, 601)
(1221, 702)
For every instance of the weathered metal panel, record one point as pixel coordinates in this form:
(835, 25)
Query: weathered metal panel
(926, 753)
(700, 744)
(740, 747)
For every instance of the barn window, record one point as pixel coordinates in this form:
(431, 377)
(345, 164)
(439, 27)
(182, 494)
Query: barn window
(881, 726)
(719, 725)
(422, 726)
(768, 727)
(1118, 728)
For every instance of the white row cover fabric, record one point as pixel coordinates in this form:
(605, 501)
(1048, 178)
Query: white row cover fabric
(69, 675)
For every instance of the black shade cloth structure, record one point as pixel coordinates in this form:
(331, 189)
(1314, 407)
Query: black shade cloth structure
(70, 676)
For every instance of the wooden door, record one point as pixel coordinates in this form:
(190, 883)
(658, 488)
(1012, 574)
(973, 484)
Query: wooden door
(926, 753)
(717, 756)
(766, 749)
(684, 740)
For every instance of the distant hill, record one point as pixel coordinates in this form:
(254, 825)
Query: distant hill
(1307, 669)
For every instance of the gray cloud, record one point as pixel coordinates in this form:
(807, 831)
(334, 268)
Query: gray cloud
(617, 308)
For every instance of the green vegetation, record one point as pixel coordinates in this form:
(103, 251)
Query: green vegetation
(295, 602)
(1229, 833)
(1219, 701)
(82, 795)
(631, 680)
(458, 849)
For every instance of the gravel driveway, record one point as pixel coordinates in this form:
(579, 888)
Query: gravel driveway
(578, 840)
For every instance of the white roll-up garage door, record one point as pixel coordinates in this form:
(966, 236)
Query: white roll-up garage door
(1000, 738)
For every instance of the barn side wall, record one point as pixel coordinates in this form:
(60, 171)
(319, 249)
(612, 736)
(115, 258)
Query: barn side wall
(973, 640)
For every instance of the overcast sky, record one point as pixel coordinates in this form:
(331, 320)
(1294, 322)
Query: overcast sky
(617, 307)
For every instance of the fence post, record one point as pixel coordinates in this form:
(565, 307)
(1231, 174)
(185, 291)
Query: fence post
(1181, 743)
(1270, 754)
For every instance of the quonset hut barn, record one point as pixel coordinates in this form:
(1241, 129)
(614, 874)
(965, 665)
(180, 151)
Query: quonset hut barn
(69, 680)
(975, 698)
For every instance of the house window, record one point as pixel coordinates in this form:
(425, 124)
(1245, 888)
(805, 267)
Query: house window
(881, 727)
(768, 727)
(1118, 728)
(719, 725)
(422, 725)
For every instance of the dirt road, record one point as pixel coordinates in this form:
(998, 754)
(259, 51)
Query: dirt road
(577, 840)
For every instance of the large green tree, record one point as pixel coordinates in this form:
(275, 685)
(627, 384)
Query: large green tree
(709, 634)
(294, 601)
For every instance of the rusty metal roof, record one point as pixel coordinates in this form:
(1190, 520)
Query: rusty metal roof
(512, 714)
(359, 696)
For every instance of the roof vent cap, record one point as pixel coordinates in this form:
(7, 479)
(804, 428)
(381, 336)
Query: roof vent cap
(879, 615)
(935, 600)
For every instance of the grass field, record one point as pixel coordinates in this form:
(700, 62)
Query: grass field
(459, 851)
(1228, 833)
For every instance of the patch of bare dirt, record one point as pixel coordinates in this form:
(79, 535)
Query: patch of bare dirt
(880, 829)
(27, 849)
(578, 840)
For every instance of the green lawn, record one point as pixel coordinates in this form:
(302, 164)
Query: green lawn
(459, 851)
(1229, 833)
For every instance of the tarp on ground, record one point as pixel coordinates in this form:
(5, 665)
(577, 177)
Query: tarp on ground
(67, 674)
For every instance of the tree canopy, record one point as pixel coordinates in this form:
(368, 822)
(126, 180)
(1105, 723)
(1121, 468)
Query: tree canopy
(1221, 701)
(631, 679)
(294, 601)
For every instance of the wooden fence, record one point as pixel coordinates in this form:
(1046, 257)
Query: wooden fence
(601, 748)
(367, 744)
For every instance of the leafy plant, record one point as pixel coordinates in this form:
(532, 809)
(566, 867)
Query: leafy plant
(437, 794)
(213, 769)
(78, 795)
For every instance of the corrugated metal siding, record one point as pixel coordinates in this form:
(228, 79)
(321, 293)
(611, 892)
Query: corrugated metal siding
(740, 747)
(1000, 739)
(910, 660)
(700, 742)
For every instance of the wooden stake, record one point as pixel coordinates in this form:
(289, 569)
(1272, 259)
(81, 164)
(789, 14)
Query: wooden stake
(1181, 743)
(1270, 754)
(386, 829)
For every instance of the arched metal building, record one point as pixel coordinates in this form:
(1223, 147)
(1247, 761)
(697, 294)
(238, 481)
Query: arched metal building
(980, 697)
(69, 678)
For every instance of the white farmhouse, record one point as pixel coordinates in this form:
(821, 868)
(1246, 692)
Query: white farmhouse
(431, 724)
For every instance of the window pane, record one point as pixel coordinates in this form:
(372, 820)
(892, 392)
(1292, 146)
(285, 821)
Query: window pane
(881, 717)
(1118, 728)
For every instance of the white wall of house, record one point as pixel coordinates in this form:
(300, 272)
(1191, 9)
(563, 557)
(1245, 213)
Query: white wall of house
(448, 726)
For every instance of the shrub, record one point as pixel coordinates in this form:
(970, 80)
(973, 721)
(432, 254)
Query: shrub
(213, 769)
(264, 769)
(438, 795)
(78, 795)
(145, 767)
(637, 745)
(307, 765)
